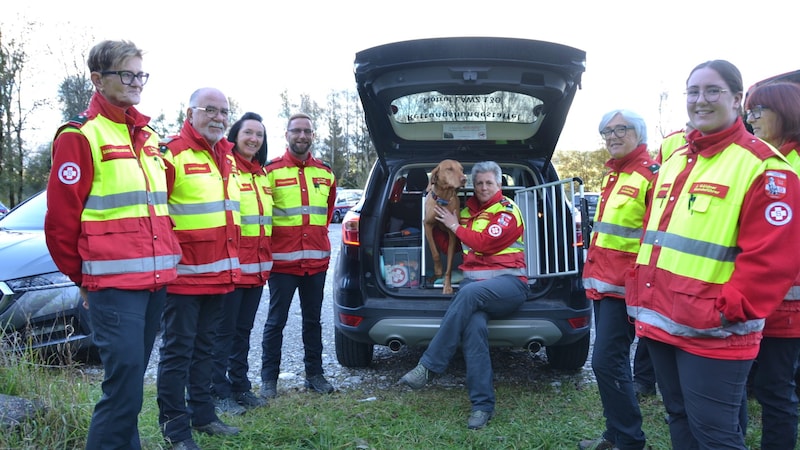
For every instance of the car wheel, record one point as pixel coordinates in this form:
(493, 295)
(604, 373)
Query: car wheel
(336, 217)
(569, 357)
(351, 353)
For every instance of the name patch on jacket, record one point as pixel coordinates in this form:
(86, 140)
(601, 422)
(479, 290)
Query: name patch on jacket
(195, 168)
(285, 182)
(629, 191)
(321, 180)
(663, 190)
(149, 150)
(712, 189)
(776, 184)
(111, 152)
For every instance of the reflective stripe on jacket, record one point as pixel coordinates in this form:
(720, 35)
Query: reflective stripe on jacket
(617, 230)
(204, 203)
(126, 239)
(713, 262)
(303, 193)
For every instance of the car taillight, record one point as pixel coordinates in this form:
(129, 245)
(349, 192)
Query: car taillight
(350, 320)
(350, 234)
(579, 322)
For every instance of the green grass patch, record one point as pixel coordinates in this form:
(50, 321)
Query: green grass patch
(530, 415)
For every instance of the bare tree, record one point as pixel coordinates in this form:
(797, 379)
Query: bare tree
(12, 118)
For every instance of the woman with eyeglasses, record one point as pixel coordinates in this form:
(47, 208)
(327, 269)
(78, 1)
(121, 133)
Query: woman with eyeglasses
(109, 230)
(626, 191)
(719, 252)
(773, 110)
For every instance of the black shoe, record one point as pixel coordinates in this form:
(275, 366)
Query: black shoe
(269, 389)
(249, 400)
(188, 444)
(217, 427)
(643, 390)
(228, 405)
(319, 384)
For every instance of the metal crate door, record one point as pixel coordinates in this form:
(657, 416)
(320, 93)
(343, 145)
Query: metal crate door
(550, 234)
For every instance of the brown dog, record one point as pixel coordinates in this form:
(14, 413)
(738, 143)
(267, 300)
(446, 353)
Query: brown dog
(446, 179)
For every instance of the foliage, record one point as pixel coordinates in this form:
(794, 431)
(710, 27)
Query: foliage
(588, 166)
(74, 94)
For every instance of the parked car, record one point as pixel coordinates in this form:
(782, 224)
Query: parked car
(3, 209)
(470, 99)
(345, 199)
(40, 307)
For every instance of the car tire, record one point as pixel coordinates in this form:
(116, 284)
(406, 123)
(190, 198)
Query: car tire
(569, 357)
(336, 217)
(351, 353)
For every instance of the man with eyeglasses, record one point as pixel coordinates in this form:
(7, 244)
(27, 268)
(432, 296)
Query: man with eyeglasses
(204, 204)
(108, 229)
(303, 192)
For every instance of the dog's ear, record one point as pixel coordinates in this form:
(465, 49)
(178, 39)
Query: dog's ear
(434, 175)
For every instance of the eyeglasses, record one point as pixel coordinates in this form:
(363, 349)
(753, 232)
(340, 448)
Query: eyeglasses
(619, 131)
(212, 112)
(307, 131)
(126, 76)
(711, 94)
(755, 112)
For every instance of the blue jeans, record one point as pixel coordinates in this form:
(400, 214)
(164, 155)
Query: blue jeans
(643, 372)
(282, 287)
(465, 325)
(703, 397)
(124, 328)
(611, 363)
(232, 345)
(189, 325)
(774, 388)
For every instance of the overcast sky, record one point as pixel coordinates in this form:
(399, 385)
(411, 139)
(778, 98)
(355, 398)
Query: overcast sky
(252, 51)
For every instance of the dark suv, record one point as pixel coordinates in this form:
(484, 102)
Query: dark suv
(470, 99)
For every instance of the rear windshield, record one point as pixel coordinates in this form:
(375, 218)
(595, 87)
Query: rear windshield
(505, 107)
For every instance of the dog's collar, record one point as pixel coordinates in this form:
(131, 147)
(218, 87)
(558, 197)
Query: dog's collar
(439, 200)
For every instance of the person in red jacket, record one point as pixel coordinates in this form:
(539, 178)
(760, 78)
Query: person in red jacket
(495, 285)
(230, 383)
(303, 193)
(773, 110)
(204, 196)
(721, 224)
(626, 192)
(108, 229)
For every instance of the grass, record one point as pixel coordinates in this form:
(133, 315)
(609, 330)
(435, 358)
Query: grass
(530, 415)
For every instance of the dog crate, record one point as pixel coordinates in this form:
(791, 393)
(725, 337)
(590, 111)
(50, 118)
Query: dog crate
(552, 246)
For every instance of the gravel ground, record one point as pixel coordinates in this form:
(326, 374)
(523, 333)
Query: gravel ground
(513, 365)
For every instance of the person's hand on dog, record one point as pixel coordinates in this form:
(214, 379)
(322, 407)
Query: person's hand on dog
(446, 218)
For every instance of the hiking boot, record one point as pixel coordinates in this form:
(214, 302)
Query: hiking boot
(418, 377)
(596, 444)
(228, 405)
(479, 419)
(318, 383)
(249, 400)
(269, 389)
(217, 427)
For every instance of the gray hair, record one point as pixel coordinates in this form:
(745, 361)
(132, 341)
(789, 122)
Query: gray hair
(487, 166)
(635, 120)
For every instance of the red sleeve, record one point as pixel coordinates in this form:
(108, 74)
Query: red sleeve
(502, 231)
(770, 251)
(67, 190)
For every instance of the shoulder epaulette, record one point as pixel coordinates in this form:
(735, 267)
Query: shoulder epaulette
(163, 146)
(77, 121)
(654, 168)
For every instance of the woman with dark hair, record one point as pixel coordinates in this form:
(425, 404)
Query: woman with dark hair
(773, 110)
(720, 225)
(231, 387)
